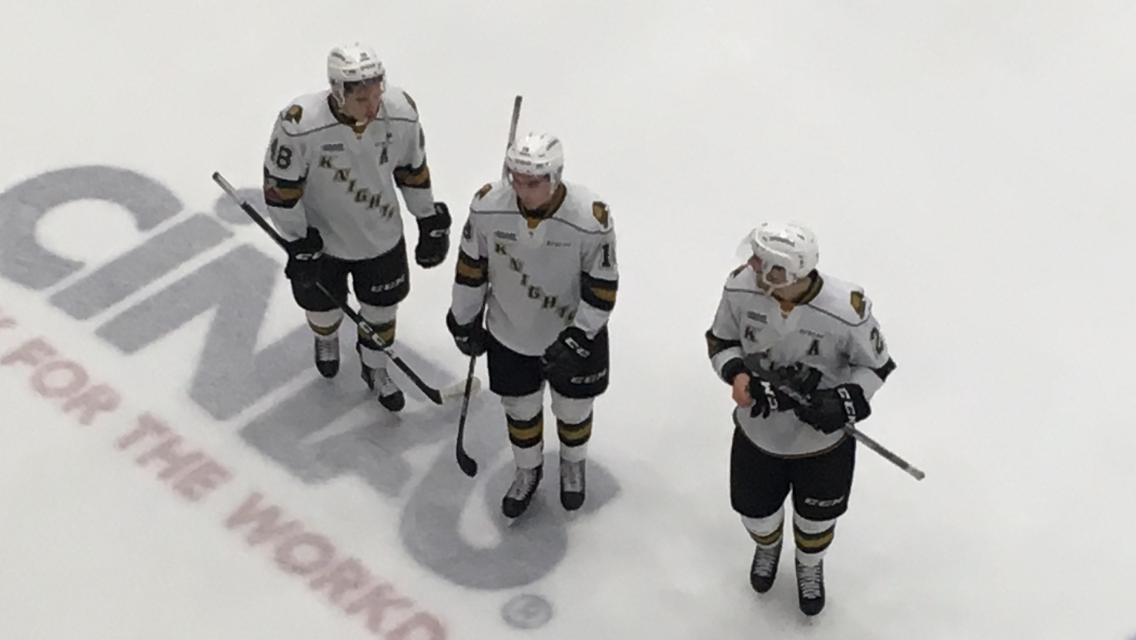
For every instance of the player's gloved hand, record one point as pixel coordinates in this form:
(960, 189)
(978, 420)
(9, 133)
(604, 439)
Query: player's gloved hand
(829, 410)
(433, 237)
(767, 399)
(800, 378)
(305, 258)
(470, 338)
(567, 356)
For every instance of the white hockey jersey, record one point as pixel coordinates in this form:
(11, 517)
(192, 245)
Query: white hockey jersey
(830, 329)
(543, 274)
(322, 172)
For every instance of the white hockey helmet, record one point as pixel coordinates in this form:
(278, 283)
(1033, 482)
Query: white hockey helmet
(788, 247)
(536, 154)
(347, 66)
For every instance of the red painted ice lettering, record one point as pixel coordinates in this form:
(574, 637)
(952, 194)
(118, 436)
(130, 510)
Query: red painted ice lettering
(57, 378)
(192, 474)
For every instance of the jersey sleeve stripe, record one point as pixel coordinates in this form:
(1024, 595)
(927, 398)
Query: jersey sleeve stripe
(413, 177)
(283, 194)
(716, 345)
(884, 370)
(598, 292)
(469, 271)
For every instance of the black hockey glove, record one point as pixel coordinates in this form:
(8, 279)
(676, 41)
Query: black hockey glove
(305, 258)
(800, 378)
(767, 399)
(470, 338)
(829, 410)
(567, 356)
(433, 237)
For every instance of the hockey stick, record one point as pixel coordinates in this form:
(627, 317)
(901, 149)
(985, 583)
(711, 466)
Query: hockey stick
(772, 378)
(437, 396)
(512, 133)
(467, 464)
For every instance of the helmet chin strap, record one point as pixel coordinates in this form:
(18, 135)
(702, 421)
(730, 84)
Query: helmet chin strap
(777, 292)
(770, 287)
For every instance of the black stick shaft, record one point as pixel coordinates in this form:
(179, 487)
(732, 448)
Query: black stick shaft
(467, 464)
(775, 380)
(433, 394)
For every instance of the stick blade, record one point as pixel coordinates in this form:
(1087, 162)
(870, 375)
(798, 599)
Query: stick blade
(434, 395)
(467, 464)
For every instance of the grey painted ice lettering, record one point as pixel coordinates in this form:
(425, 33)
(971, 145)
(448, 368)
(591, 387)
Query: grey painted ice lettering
(24, 261)
(231, 373)
(227, 210)
(142, 265)
(323, 430)
(529, 549)
(295, 433)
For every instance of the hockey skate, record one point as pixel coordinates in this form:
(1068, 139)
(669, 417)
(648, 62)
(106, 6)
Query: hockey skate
(763, 569)
(388, 393)
(810, 588)
(327, 354)
(521, 492)
(572, 484)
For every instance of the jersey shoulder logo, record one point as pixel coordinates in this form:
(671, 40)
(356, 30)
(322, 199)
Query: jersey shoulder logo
(293, 114)
(484, 190)
(737, 270)
(601, 212)
(858, 302)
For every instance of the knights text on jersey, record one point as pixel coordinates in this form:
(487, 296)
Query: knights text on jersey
(832, 330)
(318, 172)
(542, 276)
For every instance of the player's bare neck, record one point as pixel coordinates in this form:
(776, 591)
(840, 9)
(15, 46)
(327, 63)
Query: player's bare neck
(346, 119)
(546, 210)
(797, 293)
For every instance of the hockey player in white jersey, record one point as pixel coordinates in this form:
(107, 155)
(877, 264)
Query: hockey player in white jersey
(781, 318)
(535, 284)
(330, 177)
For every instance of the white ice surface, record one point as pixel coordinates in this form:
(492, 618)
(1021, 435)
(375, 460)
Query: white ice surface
(970, 163)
